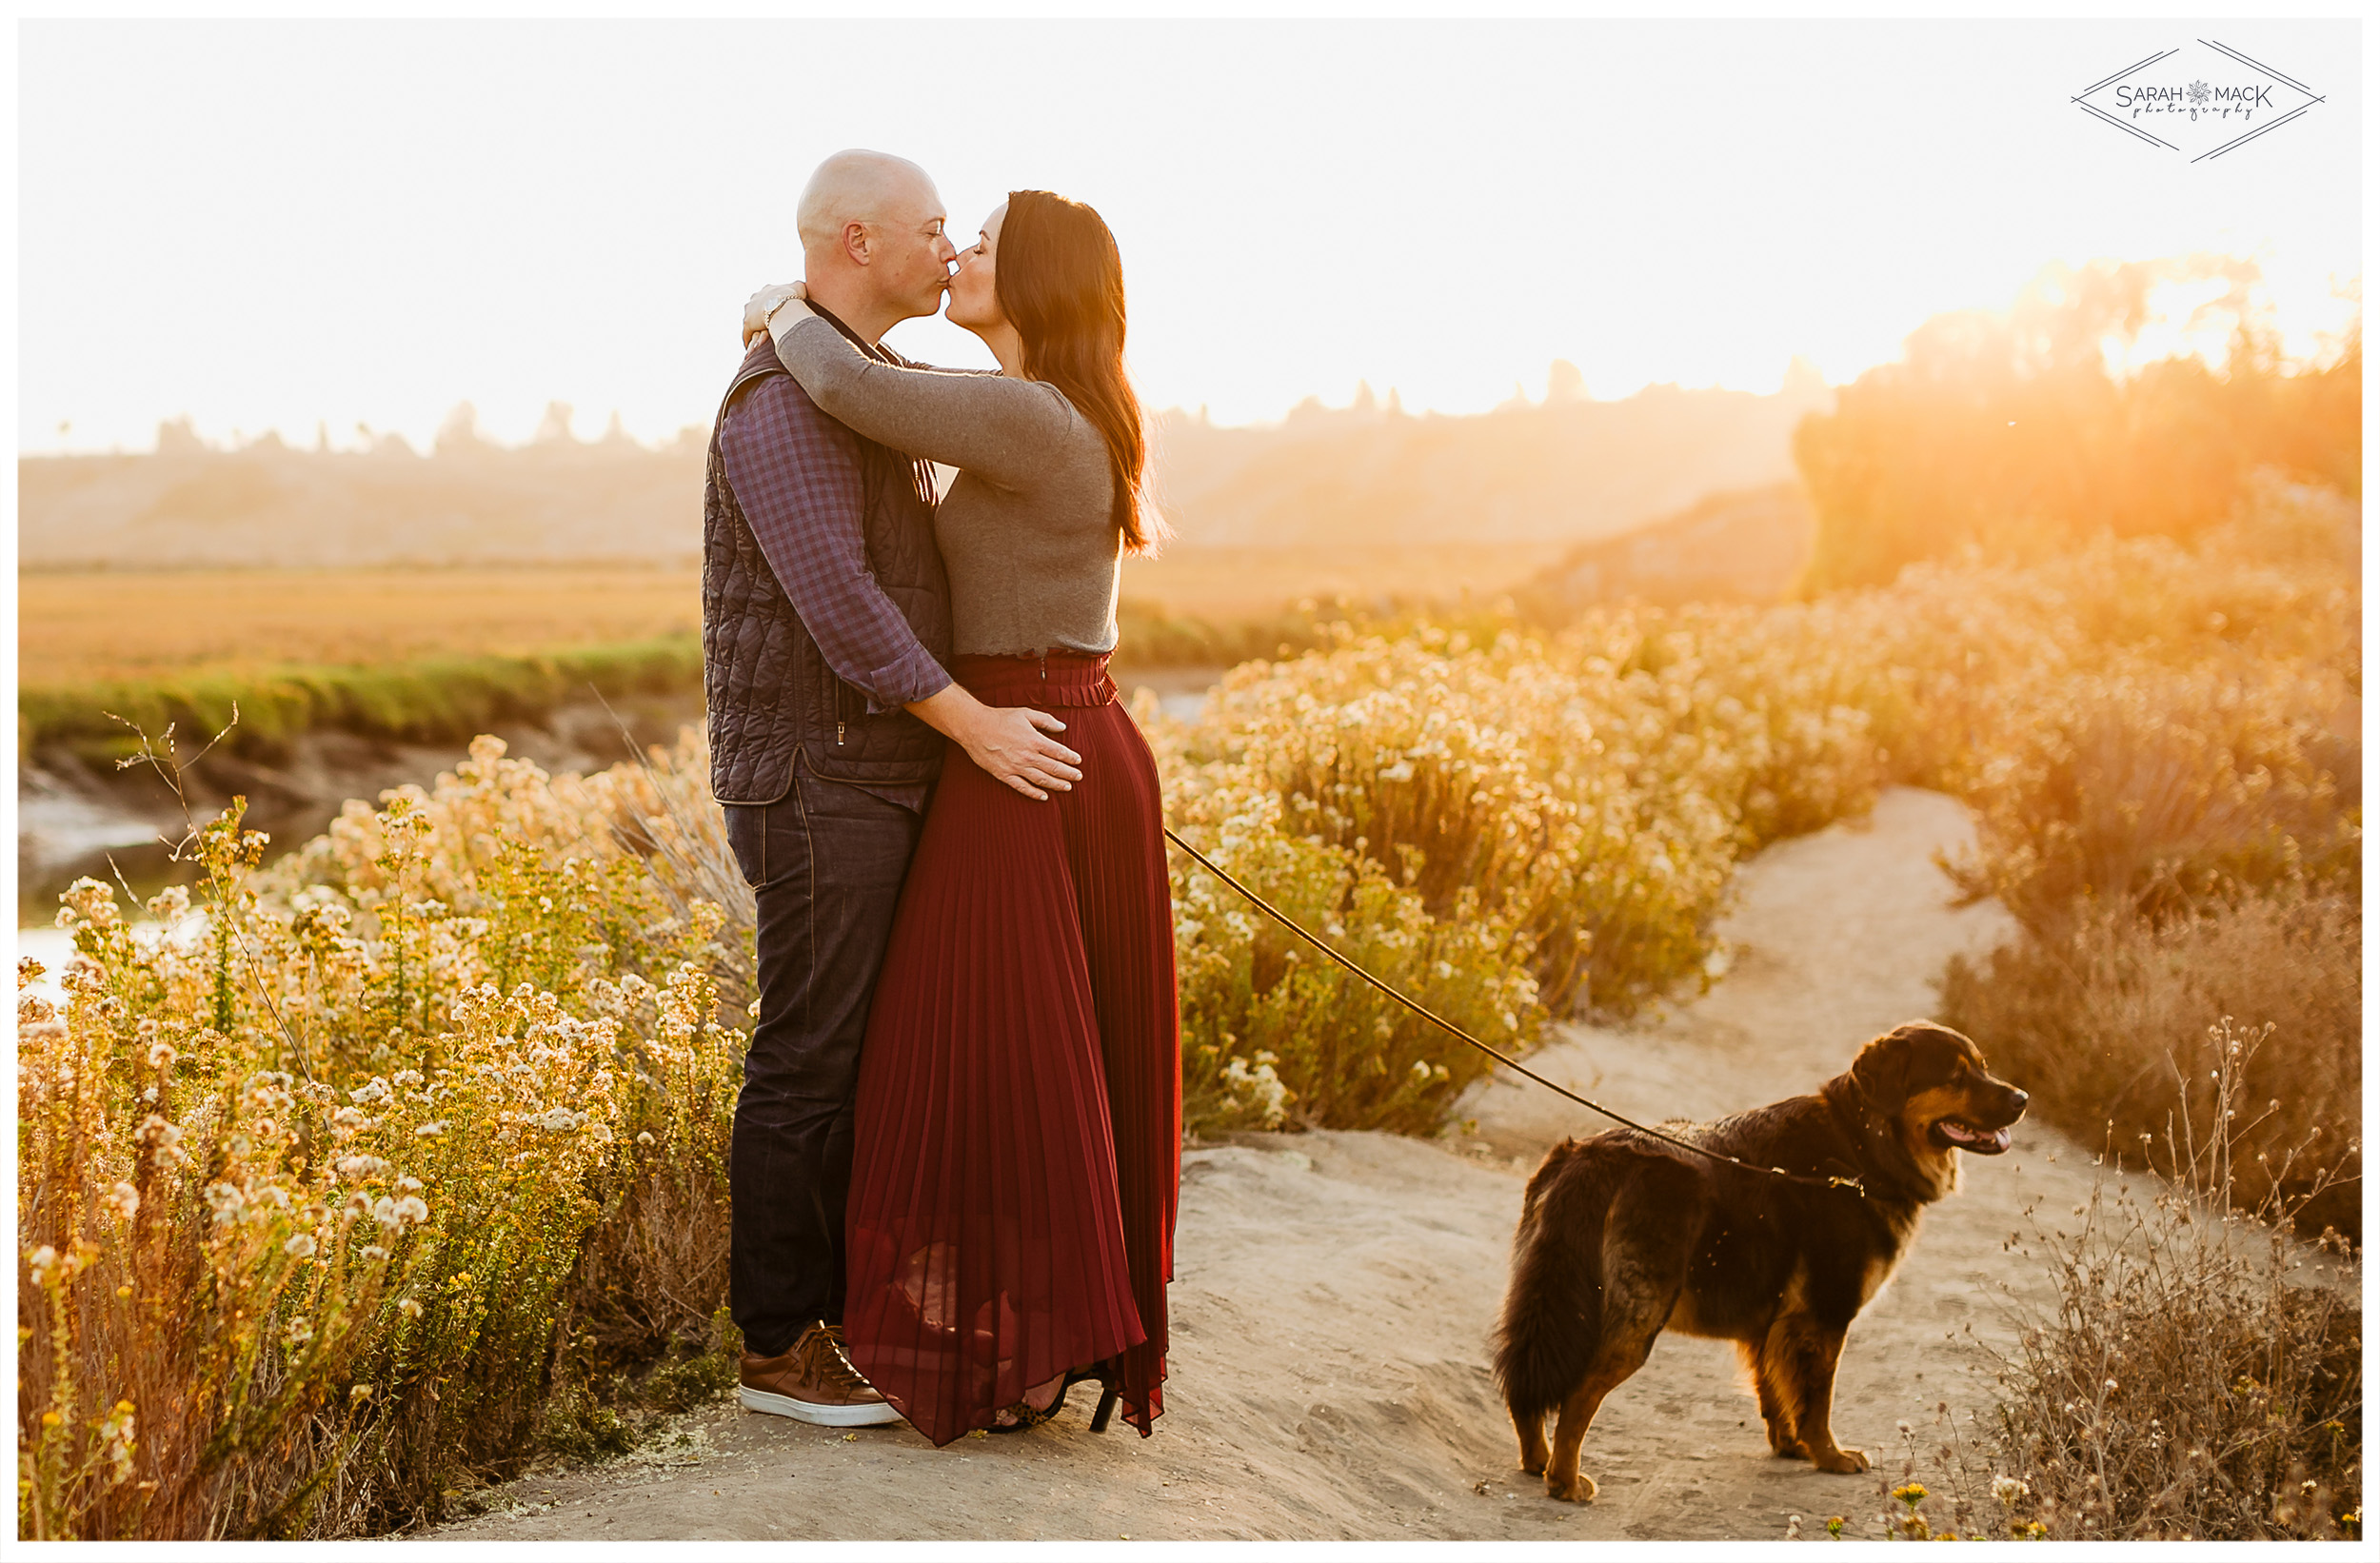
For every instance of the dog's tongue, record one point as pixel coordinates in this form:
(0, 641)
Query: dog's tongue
(1991, 1141)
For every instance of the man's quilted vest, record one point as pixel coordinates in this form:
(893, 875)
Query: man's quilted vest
(771, 691)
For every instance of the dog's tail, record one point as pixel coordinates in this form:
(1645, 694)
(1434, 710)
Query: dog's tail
(1552, 1321)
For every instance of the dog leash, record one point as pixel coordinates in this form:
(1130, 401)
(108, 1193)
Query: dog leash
(1506, 1060)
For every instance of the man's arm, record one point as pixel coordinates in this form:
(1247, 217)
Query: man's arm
(795, 474)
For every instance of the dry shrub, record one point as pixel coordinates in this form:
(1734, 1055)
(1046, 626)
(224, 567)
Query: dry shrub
(2101, 1019)
(1955, 663)
(2198, 1376)
(2148, 788)
(2169, 801)
(2201, 1375)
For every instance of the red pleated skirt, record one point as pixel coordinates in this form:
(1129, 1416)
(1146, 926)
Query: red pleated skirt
(1017, 1151)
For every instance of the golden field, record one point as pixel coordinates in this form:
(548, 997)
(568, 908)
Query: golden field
(80, 627)
(85, 627)
(1228, 584)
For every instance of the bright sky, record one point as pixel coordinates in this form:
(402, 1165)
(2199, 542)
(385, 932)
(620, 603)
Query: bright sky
(271, 224)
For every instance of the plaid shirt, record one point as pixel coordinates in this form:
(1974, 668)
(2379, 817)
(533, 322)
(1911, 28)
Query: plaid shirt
(795, 474)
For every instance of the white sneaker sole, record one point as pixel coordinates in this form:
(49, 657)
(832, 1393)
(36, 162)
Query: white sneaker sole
(802, 1411)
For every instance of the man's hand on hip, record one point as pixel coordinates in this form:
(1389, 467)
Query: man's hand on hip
(1010, 743)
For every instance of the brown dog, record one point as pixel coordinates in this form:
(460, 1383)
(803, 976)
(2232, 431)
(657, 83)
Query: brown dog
(1622, 1237)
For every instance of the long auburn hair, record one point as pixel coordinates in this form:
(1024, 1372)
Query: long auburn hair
(1060, 283)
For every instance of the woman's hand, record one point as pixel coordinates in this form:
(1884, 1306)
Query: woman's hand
(761, 304)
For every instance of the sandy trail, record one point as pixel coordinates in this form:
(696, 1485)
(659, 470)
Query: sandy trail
(1335, 1291)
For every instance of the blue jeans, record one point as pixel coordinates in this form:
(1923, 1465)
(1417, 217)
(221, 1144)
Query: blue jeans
(826, 863)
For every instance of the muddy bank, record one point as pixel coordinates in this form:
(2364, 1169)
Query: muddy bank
(77, 817)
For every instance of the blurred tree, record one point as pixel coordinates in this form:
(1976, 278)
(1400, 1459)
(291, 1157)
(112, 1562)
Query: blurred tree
(2008, 433)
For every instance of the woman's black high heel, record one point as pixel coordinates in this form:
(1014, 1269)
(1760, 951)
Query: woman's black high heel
(1104, 1376)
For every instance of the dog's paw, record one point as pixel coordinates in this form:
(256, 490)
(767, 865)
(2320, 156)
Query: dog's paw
(1789, 1449)
(1533, 1465)
(1843, 1462)
(1578, 1488)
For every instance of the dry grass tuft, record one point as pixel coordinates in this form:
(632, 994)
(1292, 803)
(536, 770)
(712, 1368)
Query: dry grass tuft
(2104, 1017)
(2199, 1377)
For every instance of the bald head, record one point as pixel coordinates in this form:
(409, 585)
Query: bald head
(873, 251)
(874, 189)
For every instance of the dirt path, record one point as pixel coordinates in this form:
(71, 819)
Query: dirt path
(1335, 1293)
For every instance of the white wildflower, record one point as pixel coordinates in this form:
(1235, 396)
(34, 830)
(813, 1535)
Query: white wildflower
(164, 1139)
(1268, 1097)
(302, 1246)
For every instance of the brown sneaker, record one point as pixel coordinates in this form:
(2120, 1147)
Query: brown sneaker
(814, 1382)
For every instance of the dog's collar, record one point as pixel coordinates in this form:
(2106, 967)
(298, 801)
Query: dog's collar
(1858, 1132)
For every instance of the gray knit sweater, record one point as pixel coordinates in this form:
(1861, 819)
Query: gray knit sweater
(1026, 532)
